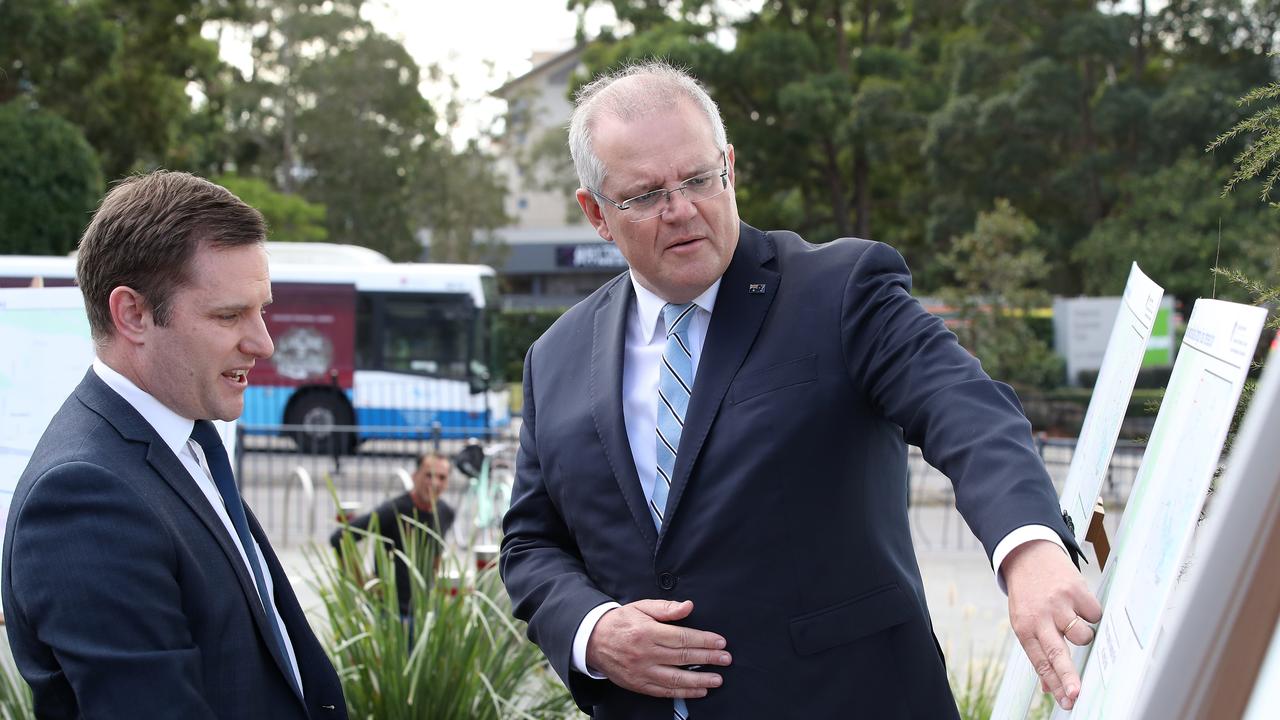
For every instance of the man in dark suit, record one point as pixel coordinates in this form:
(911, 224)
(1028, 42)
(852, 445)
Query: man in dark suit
(423, 504)
(710, 510)
(136, 583)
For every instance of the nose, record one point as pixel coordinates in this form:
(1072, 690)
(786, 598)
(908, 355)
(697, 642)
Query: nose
(679, 208)
(257, 341)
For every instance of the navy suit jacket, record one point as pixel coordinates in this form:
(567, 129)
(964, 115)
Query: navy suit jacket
(124, 595)
(786, 524)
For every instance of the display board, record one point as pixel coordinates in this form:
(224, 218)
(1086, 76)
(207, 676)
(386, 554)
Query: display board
(1124, 355)
(1164, 505)
(1219, 654)
(45, 351)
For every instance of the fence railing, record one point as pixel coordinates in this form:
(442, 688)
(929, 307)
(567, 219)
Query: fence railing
(299, 489)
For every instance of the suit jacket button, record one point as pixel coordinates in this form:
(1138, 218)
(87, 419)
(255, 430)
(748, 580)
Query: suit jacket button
(667, 581)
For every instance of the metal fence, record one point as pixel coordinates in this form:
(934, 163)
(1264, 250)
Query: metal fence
(298, 488)
(936, 524)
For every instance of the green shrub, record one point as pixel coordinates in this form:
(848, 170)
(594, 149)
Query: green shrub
(457, 655)
(49, 181)
(516, 331)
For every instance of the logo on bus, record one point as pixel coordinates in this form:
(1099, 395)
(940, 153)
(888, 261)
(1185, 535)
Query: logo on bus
(302, 353)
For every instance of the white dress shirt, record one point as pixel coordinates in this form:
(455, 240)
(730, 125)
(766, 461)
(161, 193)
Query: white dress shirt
(175, 431)
(642, 357)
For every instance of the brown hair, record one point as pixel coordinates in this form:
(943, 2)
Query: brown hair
(144, 235)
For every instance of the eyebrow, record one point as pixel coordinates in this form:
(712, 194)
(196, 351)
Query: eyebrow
(237, 309)
(643, 187)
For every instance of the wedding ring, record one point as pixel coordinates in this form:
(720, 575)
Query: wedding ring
(1070, 625)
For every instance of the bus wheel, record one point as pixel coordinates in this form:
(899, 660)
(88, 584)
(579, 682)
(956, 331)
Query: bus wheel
(324, 423)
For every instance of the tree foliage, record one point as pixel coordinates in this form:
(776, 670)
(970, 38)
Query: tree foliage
(289, 217)
(49, 182)
(999, 274)
(119, 70)
(903, 121)
(332, 110)
(330, 113)
(1174, 224)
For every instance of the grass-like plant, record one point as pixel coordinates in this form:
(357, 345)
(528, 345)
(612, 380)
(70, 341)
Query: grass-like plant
(976, 689)
(15, 695)
(456, 654)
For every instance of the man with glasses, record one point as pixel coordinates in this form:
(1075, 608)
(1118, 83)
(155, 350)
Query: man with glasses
(710, 511)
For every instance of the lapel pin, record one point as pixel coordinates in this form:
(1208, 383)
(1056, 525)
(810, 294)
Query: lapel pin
(756, 288)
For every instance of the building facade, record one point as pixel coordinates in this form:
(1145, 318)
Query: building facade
(554, 257)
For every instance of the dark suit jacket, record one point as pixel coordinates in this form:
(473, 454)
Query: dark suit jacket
(124, 596)
(787, 519)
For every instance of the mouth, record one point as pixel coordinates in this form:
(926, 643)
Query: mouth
(239, 377)
(685, 243)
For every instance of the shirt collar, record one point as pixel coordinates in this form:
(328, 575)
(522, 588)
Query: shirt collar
(172, 428)
(649, 306)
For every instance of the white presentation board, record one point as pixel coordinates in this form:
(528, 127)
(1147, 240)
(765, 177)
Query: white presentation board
(1119, 370)
(45, 350)
(1221, 643)
(1163, 508)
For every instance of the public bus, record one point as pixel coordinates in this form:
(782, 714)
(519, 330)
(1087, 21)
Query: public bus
(365, 348)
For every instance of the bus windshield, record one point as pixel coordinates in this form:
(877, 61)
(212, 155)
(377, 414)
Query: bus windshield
(418, 334)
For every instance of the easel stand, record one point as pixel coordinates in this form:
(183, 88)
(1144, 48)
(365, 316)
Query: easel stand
(1096, 535)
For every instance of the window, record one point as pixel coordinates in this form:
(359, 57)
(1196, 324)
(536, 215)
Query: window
(426, 335)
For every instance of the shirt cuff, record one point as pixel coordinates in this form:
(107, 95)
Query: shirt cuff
(584, 634)
(1019, 536)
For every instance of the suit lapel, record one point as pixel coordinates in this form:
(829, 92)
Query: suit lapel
(100, 398)
(747, 289)
(605, 389)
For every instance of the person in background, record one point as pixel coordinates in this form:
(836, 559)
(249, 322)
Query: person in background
(424, 504)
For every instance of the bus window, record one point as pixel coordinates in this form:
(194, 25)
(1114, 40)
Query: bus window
(479, 378)
(366, 332)
(425, 336)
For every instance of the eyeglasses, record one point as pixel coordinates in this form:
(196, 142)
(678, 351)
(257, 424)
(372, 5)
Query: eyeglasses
(655, 202)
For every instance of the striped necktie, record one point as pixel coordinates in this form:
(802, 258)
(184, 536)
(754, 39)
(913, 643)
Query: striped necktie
(675, 385)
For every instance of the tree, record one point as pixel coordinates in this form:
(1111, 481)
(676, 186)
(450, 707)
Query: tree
(289, 217)
(998, 272)
(119, 70)
(461, 200)
(49, 181)
(826, 101)
(1063, 107)
(1178, 229)
(332, 110)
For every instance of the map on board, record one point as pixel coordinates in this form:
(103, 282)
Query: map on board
(1163, 509)
(45, 353)
(1124, 355)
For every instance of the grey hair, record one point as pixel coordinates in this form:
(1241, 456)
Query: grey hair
(652, 85)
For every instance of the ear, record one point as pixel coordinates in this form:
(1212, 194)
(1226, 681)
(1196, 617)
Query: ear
(591, 208)
(130, 314)
(729, 156)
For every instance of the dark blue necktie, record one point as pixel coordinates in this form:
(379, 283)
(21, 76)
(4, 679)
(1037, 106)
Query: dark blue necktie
(215, 454)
